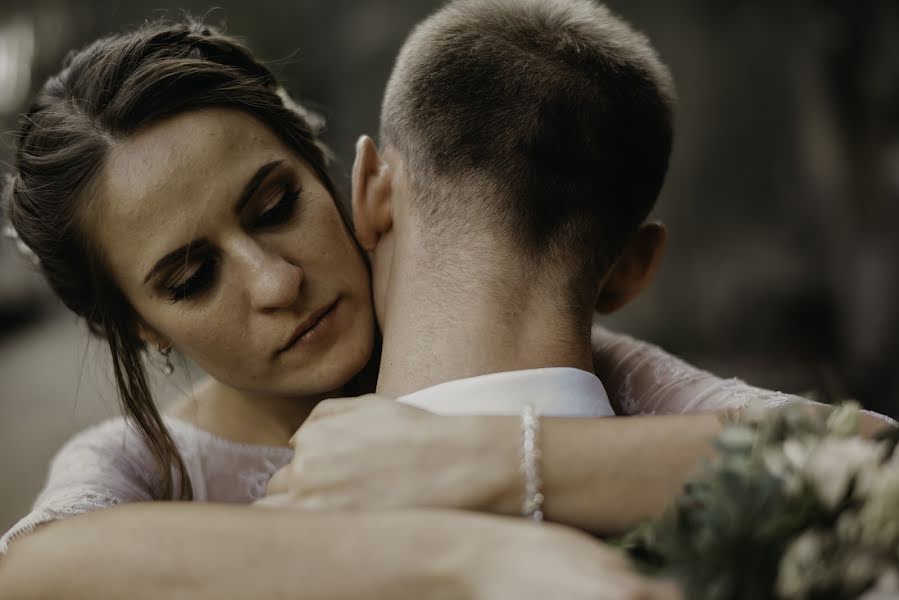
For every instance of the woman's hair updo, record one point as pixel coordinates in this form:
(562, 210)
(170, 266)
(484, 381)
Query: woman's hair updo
(103, 94)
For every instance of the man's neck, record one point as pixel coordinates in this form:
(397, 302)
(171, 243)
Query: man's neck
(440, 327)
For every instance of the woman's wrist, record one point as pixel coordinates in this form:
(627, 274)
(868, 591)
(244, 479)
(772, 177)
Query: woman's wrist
(497, 463)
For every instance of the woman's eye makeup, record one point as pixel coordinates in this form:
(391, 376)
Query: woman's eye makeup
(199, 281)
(280, 210)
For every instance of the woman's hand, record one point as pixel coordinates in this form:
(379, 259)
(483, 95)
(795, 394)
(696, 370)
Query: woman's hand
(374, 452)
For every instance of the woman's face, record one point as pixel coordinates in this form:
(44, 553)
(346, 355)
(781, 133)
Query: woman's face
(230, 249)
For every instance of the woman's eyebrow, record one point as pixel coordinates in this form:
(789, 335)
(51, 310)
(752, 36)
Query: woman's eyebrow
(254, 183)
(177, 256)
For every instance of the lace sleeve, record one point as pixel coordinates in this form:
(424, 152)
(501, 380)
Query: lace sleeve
(644, 379)
(100, 467)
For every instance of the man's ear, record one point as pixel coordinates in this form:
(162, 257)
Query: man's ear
(634, 269)
(372, 194)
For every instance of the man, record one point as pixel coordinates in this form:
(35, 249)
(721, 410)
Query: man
(523, 145)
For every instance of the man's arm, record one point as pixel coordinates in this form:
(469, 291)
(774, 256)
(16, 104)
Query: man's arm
(205, 551)
(219, 552)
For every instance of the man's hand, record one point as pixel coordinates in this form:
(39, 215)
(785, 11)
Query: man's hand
(374, 452)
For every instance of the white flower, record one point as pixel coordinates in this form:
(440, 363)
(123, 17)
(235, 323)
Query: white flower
(797, 571)
(755, 411)
(843, 420)
(885, 588)
(834, 462)
(879, 517)
(848, 528)
(860, 570)
(738, 438)
(778, 465)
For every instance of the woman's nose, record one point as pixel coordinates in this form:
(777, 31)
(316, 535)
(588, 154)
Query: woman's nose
(274, 281)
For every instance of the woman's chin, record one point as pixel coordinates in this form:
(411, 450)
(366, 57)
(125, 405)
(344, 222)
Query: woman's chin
(330, 374)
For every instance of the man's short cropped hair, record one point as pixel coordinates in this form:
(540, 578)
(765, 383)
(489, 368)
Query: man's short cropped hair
(548, 119)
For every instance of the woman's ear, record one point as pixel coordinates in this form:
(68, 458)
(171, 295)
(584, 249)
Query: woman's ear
(151, 337)
(634, 269)
(372, 189)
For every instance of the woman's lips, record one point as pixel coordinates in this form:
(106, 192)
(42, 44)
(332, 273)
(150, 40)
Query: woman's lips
(312, 329)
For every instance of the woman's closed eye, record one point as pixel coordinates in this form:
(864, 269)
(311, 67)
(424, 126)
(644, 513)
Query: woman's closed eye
(276, 213)
(201, 280)
(282, 210)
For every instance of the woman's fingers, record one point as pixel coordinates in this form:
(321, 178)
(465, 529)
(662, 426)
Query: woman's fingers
(278, 484)
(335, 406)
(327, 408)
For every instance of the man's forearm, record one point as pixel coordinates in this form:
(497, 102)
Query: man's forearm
(215, 552)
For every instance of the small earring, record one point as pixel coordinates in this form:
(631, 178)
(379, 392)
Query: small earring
(167, 367)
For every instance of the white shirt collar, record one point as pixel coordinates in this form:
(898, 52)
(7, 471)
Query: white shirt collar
(554, 392)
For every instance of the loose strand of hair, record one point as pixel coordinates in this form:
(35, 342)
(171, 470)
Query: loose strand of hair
(138, 407)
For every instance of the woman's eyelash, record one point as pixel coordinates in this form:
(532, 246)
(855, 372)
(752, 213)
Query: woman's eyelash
(199, 281)
(203, 277)
(282, 211)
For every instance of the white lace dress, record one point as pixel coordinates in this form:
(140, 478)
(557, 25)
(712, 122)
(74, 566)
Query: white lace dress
(108, 464)
(643, 379)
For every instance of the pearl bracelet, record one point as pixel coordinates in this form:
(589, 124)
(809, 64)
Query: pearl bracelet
(532, 504)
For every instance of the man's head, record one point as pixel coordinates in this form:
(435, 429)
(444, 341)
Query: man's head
(544, 126)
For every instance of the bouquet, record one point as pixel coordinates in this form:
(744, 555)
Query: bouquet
(795, 506)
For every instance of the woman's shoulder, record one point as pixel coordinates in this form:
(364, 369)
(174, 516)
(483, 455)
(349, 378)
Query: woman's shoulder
(120, 437)
(96, 468)
(113, 428)
(112, 460)
(116, 437)
(109, 454)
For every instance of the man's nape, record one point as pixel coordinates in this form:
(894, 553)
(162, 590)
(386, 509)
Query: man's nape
(497, 202)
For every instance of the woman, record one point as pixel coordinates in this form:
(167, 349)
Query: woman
(175, 199)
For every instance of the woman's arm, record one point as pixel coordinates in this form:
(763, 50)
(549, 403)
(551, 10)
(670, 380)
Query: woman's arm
(218, 552)
(607, 475)
(601, 475)
(643, 379)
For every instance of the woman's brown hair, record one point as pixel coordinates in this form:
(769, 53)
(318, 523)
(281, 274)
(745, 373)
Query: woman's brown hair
(103, 94)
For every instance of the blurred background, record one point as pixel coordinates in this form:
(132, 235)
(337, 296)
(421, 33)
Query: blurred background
(782, 198)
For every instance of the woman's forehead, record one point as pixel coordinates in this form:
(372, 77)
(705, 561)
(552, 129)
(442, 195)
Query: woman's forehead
(186, 157)
(159, 185)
